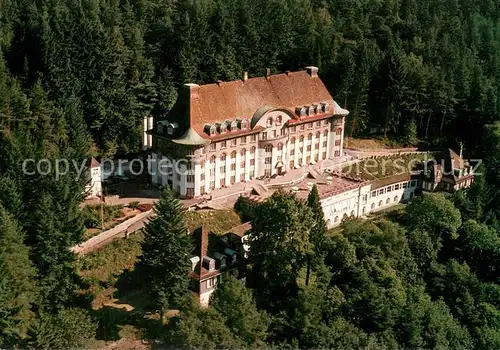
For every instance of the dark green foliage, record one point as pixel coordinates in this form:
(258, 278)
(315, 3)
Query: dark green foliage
(280, 244)
(166, 252)
(17, 283)
(197, 328)
(236, 304)
(77, 77)
(318, 232)
(68, 328)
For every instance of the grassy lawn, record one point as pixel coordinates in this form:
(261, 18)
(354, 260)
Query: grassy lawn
(381, 167)
(217, 221)
(374, 142)
(101, 269)
(106, 273)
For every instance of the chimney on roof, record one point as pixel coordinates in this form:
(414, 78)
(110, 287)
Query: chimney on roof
(245, 76)
(268, 73)
(193, 89)
(204, 242)
(313, 71)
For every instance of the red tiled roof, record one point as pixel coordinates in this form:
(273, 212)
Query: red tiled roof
(457, 162)
(333, 187)
(205, 274)
(94, 163)
(241, 99)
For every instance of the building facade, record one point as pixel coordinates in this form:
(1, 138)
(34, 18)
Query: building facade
(93, 189)
(450, 174)
(219, 258)
(343, 196)
(217, 135)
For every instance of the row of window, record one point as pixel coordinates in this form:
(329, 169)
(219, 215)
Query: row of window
(232, 142)
(222, 181)
(396, 187)
(274, 121)
(274, 134)
(387, 201)
(264, 136)
(302, 127)
(300, 162)
(373, 206)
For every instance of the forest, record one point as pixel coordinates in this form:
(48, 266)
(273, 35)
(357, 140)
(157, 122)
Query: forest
(78, 76)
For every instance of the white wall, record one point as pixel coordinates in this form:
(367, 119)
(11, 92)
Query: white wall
(391, 196)
(94, 188)
(358, 202)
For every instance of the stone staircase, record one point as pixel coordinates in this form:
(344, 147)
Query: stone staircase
(259, 189)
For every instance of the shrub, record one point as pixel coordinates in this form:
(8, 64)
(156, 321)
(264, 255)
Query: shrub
(144, 207)
(92, 214)
(134, 204)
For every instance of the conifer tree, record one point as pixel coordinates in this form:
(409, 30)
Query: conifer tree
(71, 328)
(317, 236)
(166, 253)
(17, 283)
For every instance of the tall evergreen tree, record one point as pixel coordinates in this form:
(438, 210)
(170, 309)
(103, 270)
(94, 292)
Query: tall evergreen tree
(166, 253)
(318, 231)
(17, 283)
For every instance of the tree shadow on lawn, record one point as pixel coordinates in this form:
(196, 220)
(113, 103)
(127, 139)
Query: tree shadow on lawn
(131, 307)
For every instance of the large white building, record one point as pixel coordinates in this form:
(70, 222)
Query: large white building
(236, 131)
(342, 196)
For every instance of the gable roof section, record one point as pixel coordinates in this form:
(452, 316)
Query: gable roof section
(457, 162)
(206, 104)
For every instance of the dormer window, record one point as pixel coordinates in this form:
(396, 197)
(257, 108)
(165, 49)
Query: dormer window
(171, 127)
(223, 128)
(310, 110)
(269, 122)
(279, 120)
(243, 124)
(234, 126)
(160, 126)
(325, 107)
(212, 130)
(206, 129)
(302, 111)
